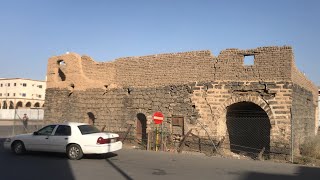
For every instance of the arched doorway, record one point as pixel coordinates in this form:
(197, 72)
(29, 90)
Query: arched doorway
(4, 105)
(248, 127)
(19, 105)
(37, 104)
(141, 130)
(28, 105)
(11, 105)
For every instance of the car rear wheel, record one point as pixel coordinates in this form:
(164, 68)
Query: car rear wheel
(18, 147)
(74, 152)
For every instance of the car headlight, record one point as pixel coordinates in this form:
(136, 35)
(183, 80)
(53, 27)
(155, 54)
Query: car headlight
(8, 140)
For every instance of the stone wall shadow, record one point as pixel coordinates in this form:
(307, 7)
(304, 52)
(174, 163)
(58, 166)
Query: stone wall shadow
(302, 173)
(33, 166)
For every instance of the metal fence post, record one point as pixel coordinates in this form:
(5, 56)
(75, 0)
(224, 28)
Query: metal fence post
(291, 135)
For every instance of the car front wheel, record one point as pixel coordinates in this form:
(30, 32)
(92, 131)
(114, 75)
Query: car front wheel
(18, 147)
(74, 152)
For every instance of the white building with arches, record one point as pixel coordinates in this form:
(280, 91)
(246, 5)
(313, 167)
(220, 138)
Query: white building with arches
(20, 93)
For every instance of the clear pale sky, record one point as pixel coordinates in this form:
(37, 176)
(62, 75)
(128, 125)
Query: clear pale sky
(31, 31)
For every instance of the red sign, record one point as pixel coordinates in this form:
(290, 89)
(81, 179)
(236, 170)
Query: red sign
(157, 117)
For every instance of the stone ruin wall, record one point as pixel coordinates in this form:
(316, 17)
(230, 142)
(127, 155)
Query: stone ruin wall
(194, 85)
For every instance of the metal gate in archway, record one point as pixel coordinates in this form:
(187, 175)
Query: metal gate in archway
(248, 126)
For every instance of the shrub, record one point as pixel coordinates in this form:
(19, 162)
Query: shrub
(311, 147)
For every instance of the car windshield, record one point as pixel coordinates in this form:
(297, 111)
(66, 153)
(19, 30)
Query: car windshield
(88, 129)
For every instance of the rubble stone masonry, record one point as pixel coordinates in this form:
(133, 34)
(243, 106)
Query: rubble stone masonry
(196, 86)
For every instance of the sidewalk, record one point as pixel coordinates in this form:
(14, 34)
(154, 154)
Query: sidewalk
(14, 127)
(11, 122)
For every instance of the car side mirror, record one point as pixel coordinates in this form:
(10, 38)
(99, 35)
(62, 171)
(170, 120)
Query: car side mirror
(35, 133)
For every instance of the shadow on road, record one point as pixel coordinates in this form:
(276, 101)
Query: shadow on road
(125, 175)
(33, 166)
(302, 173)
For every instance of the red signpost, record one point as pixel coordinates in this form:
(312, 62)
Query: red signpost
(157, 117)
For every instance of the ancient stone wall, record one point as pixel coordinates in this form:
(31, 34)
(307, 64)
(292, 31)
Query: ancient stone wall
(165, 69)
(193, 86)
(270, 63)
(115, 107)
(303, 112)
(103, 72)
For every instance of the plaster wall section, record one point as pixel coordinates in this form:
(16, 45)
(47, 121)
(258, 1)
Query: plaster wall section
(164, 69)
(98, 71)
(270, 63)
(66, 71)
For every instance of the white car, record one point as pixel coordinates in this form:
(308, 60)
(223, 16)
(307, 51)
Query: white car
(74, 139)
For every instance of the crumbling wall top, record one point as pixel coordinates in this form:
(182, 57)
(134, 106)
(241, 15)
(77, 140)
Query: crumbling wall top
(270, 63)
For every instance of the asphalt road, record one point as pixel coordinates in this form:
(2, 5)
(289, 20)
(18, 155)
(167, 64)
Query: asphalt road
(137, 164)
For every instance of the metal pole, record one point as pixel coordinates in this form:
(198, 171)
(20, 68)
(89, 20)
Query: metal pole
(162, 144)
(14, 122)
(291, 135)
(156, 137)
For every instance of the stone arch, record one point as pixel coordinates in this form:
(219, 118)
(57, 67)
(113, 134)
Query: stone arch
(28, 104)
(257, 130)
(141, 128)
(248, 127)
(253, 99)
(11, 105)
(4, 105)
(19, 105)
(37, 104)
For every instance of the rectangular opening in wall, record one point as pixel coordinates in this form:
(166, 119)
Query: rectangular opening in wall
(248, 60)
(177, 121)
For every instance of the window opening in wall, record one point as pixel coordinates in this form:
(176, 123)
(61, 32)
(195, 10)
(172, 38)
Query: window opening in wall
(24, 84)
(91, 118)
(14, 94)
(61, 75)
(178, 125)
(61, 63)
(8, 84)
(248, 60)
(24, 94)
(15, 84)
(40, 86)
(1, 85)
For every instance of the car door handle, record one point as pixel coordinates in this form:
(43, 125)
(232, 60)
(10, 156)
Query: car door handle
(47, 138)
(66, 138)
